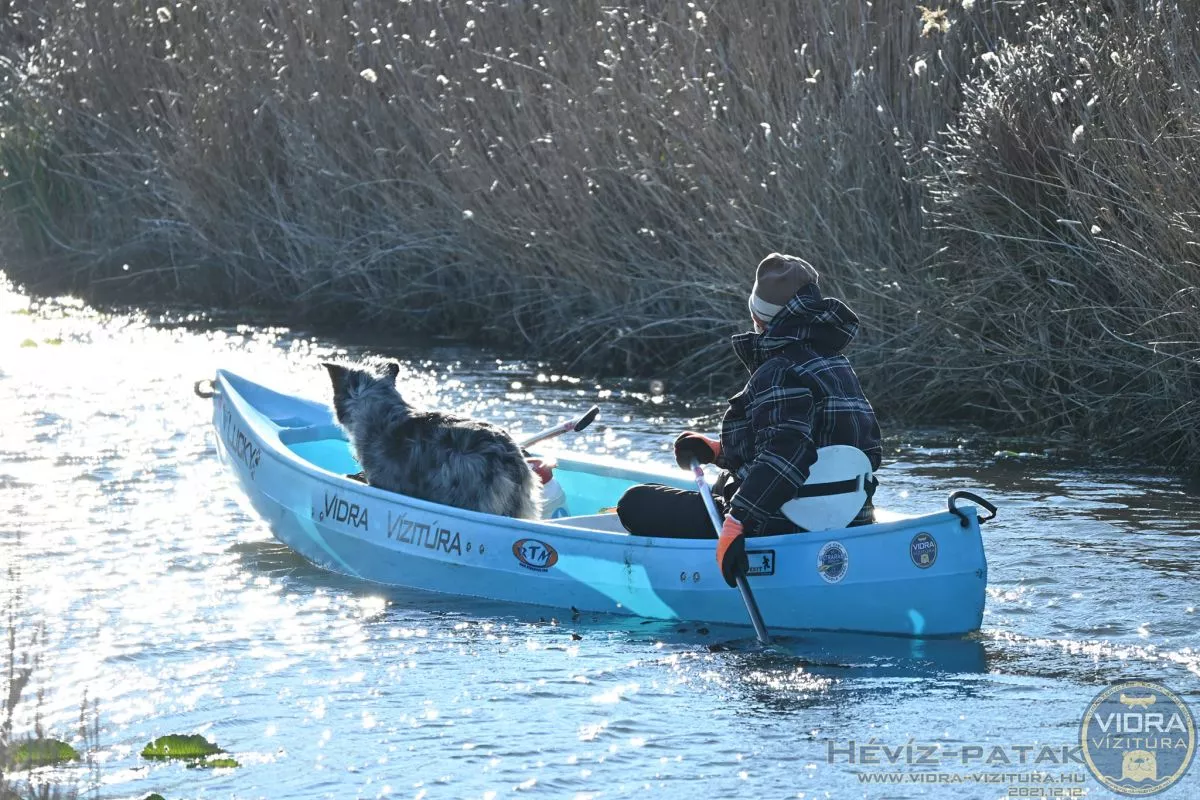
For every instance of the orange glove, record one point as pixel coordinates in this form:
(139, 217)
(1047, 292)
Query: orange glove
(689, 445)
(731, 551)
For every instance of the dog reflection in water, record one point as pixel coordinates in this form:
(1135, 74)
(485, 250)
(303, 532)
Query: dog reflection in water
(430, 455)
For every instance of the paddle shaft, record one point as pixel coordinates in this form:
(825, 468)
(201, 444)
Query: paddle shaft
(562, 427)
(760, 629)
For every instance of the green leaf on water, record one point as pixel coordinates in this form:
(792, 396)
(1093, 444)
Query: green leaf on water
(214, 763)
(29, 343)
(180, 746)
(55, 341)
(41, 752)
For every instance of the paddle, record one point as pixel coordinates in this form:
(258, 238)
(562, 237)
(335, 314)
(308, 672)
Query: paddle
(563, 427)
(743, 586)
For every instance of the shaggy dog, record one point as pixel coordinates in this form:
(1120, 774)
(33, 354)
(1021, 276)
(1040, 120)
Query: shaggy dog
(427, 454)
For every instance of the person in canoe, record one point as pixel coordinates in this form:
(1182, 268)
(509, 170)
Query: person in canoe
(802, 395)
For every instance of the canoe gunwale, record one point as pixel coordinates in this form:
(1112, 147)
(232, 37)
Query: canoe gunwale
(275, 439)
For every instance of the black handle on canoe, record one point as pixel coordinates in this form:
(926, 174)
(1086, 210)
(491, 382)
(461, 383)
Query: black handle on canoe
(586, 419)
(974, 498)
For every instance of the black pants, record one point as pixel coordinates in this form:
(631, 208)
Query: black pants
(651, 509)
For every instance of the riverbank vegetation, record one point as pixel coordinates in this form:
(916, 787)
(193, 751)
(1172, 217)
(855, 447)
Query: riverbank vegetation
(1006, 192)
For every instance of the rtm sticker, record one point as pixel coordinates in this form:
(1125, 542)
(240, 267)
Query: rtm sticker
(534, 554)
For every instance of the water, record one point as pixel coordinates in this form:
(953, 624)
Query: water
(168, 604)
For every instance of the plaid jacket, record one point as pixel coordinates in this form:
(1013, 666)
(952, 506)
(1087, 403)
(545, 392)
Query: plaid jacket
(802, 394)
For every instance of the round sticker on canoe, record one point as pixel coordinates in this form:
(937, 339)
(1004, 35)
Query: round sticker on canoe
(832, 562)
(923, 550)
(534, 554)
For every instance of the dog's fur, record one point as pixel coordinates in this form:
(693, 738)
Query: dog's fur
(427, 454)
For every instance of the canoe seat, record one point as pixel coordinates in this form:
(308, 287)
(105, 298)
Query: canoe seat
(592, 522)
(312, 433)
(292, 421)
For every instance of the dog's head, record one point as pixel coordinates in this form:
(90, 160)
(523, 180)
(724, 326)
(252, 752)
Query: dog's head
(353, 387)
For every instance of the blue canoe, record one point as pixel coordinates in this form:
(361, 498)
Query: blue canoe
(916, 576)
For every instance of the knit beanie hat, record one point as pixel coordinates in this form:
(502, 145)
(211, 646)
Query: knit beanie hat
(777, 280)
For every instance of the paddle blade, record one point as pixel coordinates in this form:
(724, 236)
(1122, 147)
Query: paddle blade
(586, 419)
(561, 428)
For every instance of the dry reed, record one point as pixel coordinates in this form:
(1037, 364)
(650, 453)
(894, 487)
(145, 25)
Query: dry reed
(1005, 191)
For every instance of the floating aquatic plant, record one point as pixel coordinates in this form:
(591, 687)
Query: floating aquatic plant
(41, 753)
(180, 746)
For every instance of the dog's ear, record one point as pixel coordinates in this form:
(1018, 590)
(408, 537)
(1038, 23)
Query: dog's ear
(391, 371)
(337, 373)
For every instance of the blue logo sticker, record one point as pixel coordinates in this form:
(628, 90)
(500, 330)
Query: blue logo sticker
(832, 562)
(923, 550)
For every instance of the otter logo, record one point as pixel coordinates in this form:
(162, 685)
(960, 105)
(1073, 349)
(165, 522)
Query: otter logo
(535, 555)
(1138, 738)
(1138, 766)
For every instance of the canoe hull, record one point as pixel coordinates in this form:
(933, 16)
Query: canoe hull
(924, 576)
